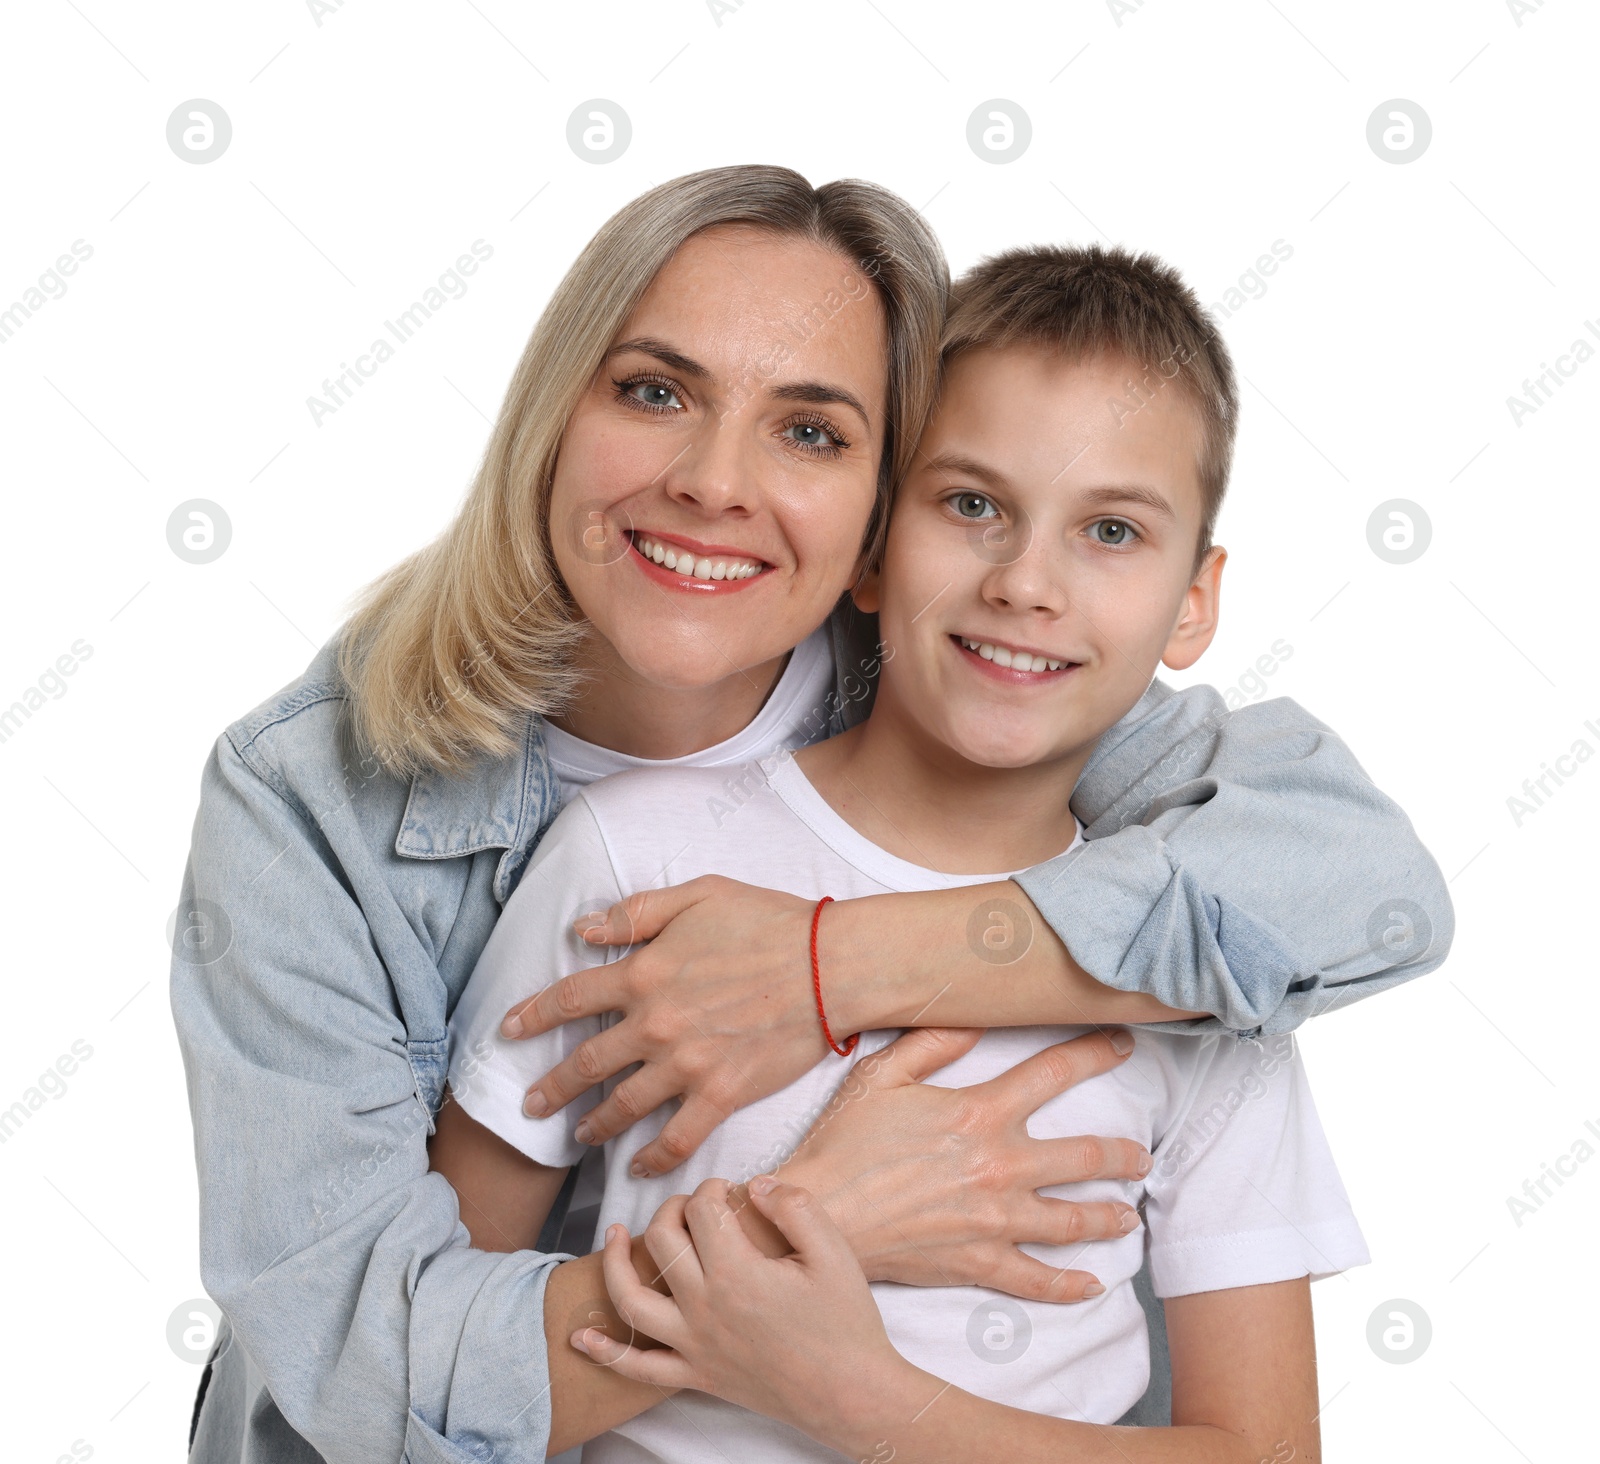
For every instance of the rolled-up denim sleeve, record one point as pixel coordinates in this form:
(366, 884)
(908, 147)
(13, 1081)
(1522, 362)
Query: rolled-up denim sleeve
(338, 1259)
(1241, 863)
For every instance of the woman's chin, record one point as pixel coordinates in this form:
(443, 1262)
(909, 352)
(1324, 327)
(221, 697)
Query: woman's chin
(696, 664)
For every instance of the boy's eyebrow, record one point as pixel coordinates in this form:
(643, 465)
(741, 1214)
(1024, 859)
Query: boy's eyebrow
(1132, 493)
(818, 393)
(962, 466)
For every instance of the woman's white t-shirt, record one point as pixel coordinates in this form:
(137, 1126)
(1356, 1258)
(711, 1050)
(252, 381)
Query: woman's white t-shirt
(1243, 1191)
(794, 714)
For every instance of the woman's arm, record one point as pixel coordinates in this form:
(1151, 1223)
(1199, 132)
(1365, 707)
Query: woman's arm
(719, 1005)
(1243, 1361)
(1240, 870)
(338, 1258)
(1243, 864)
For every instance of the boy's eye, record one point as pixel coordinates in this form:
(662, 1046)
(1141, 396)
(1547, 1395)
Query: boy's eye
(1112, 531)
(972, 505)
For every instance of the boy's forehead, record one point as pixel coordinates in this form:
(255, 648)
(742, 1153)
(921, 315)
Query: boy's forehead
(1036, 417)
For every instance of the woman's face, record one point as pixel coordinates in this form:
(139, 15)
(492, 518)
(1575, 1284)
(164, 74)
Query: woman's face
(715, 481)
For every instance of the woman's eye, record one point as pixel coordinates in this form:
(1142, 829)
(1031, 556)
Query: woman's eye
(814, 436)
(1113, 532)
(972, 505)
(653, 395)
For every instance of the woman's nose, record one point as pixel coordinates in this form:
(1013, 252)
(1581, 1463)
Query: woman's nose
(717, 470)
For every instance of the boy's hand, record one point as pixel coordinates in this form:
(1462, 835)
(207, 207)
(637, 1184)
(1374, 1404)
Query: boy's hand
(718, 1009)
(774, 1335)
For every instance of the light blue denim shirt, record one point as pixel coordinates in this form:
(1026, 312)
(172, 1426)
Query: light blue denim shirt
(1239, 863)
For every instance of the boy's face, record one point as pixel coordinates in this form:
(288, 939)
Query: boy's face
(1034, 522)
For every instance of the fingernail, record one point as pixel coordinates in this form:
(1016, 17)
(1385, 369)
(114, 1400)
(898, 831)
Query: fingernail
(1122, 1042)
(638, 1171)
(762, 1184)
(584, 1133)
(578, 1342)
(511, 1027)
(534, 1104)
(1130, 1222)
(1094, 1288)
(1145, 1161)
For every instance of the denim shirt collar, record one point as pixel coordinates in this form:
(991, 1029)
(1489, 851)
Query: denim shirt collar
(498, 803)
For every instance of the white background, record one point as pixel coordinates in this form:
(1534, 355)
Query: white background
(371, 149)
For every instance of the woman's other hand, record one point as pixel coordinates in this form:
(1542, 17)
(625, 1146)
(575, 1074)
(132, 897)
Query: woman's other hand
(938, 1186)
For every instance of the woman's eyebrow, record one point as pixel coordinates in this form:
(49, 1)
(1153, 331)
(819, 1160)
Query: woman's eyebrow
(650, 346)
(821, 394)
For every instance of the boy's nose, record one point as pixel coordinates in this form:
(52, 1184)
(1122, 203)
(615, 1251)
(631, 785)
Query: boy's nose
(1027, 582)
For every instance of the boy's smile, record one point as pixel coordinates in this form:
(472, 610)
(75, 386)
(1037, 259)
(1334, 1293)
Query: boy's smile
(1016, 665)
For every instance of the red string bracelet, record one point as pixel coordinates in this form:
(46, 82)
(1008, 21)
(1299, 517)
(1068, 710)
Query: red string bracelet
(816, 985)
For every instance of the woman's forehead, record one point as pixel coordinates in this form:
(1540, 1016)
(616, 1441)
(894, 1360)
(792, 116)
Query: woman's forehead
(739, 300)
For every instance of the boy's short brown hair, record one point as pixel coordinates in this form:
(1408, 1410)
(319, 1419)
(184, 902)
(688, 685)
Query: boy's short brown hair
(1093, 301)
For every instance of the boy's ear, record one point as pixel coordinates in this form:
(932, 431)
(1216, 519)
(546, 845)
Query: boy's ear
(1198, 622)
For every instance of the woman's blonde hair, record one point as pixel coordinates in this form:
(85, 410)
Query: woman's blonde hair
(446, 651)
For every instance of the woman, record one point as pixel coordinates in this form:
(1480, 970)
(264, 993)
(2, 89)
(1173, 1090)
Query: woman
(358, 832)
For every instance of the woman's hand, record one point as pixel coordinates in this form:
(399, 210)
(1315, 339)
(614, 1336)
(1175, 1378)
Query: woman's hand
(720, 1322)
(717, 1008)
(938, 1186)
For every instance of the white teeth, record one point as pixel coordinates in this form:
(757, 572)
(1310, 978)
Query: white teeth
(1016, 660)
(684, 562)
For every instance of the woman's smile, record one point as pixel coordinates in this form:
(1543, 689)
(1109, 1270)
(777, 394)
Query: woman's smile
(693, 566)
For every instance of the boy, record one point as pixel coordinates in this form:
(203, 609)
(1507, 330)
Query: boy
(1052, 545)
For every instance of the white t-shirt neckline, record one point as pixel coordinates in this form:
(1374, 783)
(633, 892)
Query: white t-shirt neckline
(790, 783)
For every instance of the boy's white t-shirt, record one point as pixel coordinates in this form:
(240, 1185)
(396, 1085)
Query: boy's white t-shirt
(1243, 1190)
(795, 713)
